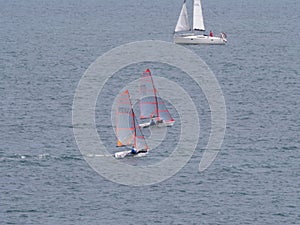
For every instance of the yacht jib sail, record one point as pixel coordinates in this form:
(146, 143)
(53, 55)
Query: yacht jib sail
(183, 20)
(127, 130)
(151, 105)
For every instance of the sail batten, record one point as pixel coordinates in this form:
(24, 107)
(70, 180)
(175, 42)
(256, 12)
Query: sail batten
(183, 20)
(198, 23)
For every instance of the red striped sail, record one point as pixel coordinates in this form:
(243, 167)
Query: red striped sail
(127, 129)
(151, 105)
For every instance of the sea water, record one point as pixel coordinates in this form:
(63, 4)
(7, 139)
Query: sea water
(46, 46)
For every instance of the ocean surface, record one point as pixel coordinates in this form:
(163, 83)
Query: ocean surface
(45, 48)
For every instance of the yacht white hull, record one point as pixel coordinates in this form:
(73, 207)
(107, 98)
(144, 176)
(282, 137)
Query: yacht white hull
(199, 39)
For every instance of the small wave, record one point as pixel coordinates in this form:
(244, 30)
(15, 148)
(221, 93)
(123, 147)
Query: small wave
(38, 157)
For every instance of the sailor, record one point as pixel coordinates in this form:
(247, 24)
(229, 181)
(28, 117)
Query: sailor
(211, 34)
(133, 150)
(152, 121)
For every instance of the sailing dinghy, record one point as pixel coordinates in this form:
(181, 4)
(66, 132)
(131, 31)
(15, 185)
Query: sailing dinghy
(128, 132)
(198, 25)
(152, 106)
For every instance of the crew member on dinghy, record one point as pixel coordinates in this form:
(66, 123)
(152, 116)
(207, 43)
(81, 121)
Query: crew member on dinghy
(152, 121)
(135, 152)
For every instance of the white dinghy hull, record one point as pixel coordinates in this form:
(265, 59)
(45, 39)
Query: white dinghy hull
(123, 154)
(120, 155)
(158, 124)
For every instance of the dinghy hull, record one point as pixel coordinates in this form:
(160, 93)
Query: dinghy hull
(158, 124)
(123, 154)
(120, 155)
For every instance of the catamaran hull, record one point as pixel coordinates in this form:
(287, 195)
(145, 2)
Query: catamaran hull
(199, 39)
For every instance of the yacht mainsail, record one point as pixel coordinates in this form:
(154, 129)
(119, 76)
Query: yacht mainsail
(198, 23)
